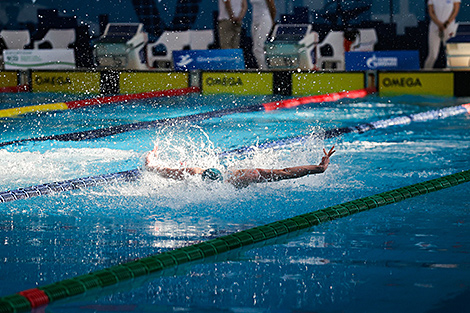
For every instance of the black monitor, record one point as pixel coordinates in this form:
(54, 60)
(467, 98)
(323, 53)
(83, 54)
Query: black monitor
(291, 32)
(121, 31)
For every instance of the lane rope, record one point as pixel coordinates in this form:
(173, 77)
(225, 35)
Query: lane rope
(60, 106)
(37, 297)
(135, 174)
(72, 184)
(330, 97)
(14, 89)
(114, 130)
(361, 128)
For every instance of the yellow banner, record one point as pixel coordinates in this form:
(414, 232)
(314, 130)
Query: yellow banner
(135, 82)
(322, 83)
(8, 79)
(415, 83)
(68, 82)
(237, 83)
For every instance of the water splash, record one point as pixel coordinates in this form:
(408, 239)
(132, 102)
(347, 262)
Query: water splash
(26, 168)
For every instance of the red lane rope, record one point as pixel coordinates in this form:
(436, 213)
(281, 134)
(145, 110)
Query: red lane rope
(19, 88)
(467, 107)
(291, 103)
(137, 96)
(36, 297)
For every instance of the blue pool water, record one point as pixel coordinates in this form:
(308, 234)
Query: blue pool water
(412, 256)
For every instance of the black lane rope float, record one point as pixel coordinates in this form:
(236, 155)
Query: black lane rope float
(335, 132)
(72, 184)
(118, 129)
(135, 174)
(38, 297)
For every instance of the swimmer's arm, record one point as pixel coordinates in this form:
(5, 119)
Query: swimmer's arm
(289, 172)
(297, 171)
(175, 173)
(244, 177)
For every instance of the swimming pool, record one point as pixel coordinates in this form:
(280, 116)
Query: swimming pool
(411, 256)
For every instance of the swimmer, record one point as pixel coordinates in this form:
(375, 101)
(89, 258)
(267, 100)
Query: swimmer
(242, 177)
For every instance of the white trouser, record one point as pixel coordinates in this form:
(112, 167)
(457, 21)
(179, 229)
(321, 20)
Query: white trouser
(260, 28)
(434, 43)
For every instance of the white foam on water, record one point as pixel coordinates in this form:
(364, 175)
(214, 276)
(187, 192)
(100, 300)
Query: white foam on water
(26, 168)
(198, 151)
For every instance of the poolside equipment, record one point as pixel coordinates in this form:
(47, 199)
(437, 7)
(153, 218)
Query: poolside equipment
(292, 46)
(58, 106)
(113, 130)
(15, 40)
(41, 296)
(122, 46)
(331, 51)
(160, 53)
(132, 175)
(458, 48)
(296, 46)
(57, 39)
(54, 51)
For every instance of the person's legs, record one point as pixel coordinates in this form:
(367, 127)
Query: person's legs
(259, 31)
(236, 34)
(229, 34)
(434, 44)
(225, 34)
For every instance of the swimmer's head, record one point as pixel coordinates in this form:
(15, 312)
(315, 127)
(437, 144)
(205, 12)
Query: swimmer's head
(212, 174)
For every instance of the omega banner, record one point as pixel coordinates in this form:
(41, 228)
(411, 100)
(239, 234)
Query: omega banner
(137, 82)
(8, 79)
(307, 84)
(416, 83)
(240, 83)
(68, 82)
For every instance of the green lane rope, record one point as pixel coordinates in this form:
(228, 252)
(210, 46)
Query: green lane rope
(33, 298)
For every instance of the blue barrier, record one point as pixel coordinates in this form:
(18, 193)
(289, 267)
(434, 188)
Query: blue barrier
(382, 60)
(217, 59)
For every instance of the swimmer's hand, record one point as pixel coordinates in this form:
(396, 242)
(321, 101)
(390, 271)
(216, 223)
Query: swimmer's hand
(151, 156)
(325, 160)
